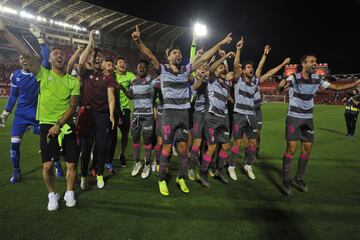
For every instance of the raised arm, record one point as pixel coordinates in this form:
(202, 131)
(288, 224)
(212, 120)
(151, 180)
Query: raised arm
(198, 54)
(212, 60)
(145, 50)
(274, 70)
(86, 53)
(346, 86)
(222, 53)
(45, 51)
(31, 60)
(237, 66)
(262, 61)
(219, 61)
(211, 52)
(74, 57)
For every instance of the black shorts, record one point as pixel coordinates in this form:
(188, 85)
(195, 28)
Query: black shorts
(158, 124)
(299, 129)
(50, 149)
(191, 120)
(198, 125)
(258, 114)
(141, 125)
(216, 129)
(175, 124)
(125, 120)
(244, 123)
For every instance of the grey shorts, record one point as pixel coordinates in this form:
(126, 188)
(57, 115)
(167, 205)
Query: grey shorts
(216, 129)
(244, 123)
(141, 125)
(258, 114)
(158, 125)
(198, 125)
(175, 125)
(299, 129)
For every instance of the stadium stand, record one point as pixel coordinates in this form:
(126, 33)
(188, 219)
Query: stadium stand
(67, 23)
(61, 19)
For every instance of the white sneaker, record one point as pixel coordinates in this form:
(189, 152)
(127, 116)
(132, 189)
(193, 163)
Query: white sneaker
(136, 169)
(232, 173)
(146, 171)
(83, 183)
(210, 172)
(153, 166)
(191, 174)
(249, 172)
(53, 201)
(174, 151)
(70, 199)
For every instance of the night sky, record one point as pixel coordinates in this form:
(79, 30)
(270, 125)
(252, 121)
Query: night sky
(329, 30)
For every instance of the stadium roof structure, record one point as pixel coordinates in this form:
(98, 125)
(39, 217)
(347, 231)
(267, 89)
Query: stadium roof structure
(115, 27)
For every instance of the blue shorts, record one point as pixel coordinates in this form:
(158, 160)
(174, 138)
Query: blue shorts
(21, 124)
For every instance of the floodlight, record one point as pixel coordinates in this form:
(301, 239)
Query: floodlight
(200, 30)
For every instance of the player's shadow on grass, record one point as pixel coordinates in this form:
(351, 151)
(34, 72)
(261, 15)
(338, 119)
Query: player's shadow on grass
(271, 173)
(331, 131)
(26, 173)
(29, 172)
(274, 216)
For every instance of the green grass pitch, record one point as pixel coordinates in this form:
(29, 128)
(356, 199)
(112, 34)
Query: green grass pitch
(132, 208)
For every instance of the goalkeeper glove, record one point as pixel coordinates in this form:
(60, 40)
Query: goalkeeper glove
(36, 31)
(3, 118)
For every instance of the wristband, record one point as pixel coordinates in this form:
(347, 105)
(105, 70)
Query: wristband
(58, 123)
(6, 113)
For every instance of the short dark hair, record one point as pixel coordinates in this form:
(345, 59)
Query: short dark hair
(144, 61)
(119, 58)
(56, 48)
(108, 60)
(222, 63)
(173, 48)
(247, 63)
(303, 58)
(97, 50)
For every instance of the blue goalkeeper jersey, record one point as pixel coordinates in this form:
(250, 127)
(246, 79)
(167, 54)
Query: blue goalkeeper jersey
(24, 90)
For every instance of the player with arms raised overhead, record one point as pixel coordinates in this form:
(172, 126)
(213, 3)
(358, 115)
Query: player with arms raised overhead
(299, 120)
(176, 96)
